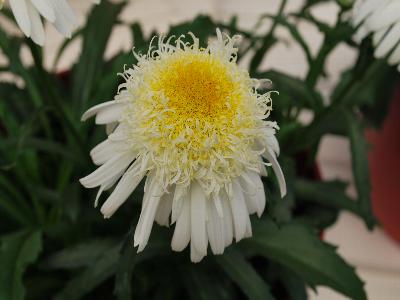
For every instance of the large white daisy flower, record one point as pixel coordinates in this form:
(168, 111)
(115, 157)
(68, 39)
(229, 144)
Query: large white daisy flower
(58, 12)
(381, 18)
(190, 121)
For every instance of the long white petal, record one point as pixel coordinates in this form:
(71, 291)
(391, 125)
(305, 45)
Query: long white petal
(108, 170)
(270, 156)
(215, 228)
(65, 18)
(128, 183)
(103, 152)
(385, 16)
(96, 109)
(259, 193)
(37, 31)
(20, 11)
(181, 237)
(164, 208)
(147, 215)
(228, 223)
(239, 211)
(388, 42)
(110, 114)
(45, 9)
(198, 218)
(180, 195)
(394, 58)
(195, 256)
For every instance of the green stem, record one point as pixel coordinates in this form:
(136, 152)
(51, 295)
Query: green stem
(267, 42)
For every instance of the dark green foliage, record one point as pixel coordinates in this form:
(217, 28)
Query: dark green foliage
(55, 245)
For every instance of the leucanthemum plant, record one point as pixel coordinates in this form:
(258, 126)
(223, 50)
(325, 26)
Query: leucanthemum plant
(190, 121)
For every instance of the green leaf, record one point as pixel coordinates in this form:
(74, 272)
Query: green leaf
(244, 275)
(359, 154)
(17, 252)
(102, 269)
(95, 37)
(295, 247)
(81, 255)
(331, 194)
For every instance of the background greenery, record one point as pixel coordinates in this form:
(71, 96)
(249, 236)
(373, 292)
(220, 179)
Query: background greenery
(55, 245)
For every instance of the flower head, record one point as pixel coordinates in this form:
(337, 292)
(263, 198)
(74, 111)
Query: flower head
(192, 122)
(381, 18)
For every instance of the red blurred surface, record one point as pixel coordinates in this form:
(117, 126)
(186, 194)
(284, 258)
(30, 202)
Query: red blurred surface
(384, 161)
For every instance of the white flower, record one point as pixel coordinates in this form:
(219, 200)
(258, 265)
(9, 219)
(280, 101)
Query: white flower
(190, 121)
(381, 18)
(27, 14)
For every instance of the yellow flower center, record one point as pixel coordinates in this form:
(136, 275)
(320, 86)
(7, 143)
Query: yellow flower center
(196, 86)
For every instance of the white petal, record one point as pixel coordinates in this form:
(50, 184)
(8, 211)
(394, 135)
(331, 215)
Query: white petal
(128, 183)
(215, 229)
(195, 256)
(249, 190)
(198, 218)
(249, 232)
(378, 36)
(228, 223)
(180, 195)
(110, 114)
(105, 186)
(20, 11)
(65, 18)
(365, 8)
(270, 156)
(385, 16)
(107, 171)
(37, 31)
(103, 152)
(395, 56)
(147, 215)
(45, 9)
(259, 193)
(164, 208)
(96, 109)
(388, 42)
(182, 231)
(239, 210)
(272, 142)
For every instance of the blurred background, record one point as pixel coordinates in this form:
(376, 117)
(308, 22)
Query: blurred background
(376, 255)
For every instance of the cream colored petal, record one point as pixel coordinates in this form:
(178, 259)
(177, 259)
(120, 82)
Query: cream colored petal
(128, 183)
(198, 218)
(37, 31)
(181, 237)
(20, 11)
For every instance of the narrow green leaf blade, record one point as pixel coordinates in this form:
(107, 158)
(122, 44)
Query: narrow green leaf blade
(244, 275)
(17, 251)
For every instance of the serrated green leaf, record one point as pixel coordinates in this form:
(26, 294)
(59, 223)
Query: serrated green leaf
(17, 252)
(359, 154)
(295, 247)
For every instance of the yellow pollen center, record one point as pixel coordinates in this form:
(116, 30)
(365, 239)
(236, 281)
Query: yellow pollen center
(196, 86)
